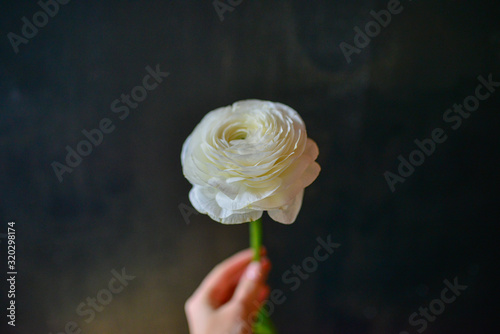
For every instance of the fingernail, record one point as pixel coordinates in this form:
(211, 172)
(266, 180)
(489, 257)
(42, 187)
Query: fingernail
(253, 271)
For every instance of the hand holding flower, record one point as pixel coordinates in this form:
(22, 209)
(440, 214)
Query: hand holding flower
(229, 297)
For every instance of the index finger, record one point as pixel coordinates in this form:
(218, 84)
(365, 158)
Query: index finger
(226, 270)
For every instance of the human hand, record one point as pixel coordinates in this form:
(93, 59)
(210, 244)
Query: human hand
(229, 298)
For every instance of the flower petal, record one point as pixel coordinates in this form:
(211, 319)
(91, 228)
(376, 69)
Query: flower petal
(239, 218)
(247, 196)
(298, 176)
(203, 200)
(288, 214)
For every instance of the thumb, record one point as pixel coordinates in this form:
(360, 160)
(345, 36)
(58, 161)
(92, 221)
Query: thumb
(251, 285)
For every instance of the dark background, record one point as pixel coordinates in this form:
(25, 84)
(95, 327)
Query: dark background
(119, 207)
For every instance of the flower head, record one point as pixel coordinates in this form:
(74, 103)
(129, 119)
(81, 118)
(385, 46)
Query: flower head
(250, 157)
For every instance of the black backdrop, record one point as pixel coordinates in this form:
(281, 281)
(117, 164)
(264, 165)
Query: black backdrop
(119, 208)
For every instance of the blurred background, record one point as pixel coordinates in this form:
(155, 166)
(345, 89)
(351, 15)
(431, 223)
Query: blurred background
(119, 208)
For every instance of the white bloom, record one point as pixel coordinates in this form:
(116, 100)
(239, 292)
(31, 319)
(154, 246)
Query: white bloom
(250, 157)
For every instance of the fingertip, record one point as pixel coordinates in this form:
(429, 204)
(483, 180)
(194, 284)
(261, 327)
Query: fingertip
(266, 263)
(253, 271)
(263, 250)
(263, 293)
(257, 271)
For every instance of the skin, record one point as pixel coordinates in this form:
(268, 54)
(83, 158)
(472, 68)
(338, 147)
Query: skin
(228, 297)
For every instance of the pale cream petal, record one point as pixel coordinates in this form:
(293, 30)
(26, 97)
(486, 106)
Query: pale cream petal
(310, 174)
(304, 172)
(297, 169)
(283, 197)
(203, 200)
(247, 196)
(239, 218)
(197, 203)
(288, 214)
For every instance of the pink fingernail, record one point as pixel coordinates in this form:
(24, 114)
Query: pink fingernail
(253, 271)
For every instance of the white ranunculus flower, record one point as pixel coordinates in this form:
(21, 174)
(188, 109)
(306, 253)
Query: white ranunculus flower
(250, 157)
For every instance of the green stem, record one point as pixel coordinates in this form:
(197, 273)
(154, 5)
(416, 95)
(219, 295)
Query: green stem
(263, 324)
(256, 238)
